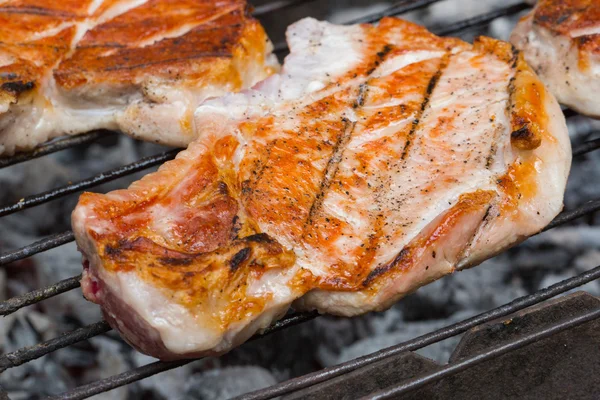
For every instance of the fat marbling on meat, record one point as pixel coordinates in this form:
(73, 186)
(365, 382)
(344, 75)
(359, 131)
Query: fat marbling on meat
(380, 159)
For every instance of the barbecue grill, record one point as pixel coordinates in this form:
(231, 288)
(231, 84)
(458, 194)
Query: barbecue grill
(533, 327)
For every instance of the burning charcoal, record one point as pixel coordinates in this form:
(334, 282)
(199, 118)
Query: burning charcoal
(221, 384)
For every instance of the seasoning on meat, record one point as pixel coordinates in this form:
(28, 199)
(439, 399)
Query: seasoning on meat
(379, 160)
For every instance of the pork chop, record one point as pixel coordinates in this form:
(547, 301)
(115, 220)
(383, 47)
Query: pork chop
(138, 66)
(561, 41)
(379, 160)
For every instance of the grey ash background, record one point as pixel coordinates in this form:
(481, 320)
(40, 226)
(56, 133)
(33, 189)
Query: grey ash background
(539, 262)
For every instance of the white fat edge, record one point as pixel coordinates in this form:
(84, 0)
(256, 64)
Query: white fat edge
(94, 5)
(71, 116)
(162, 219)
(390, 65)
(588, 31)
(6, 59)
(319, 52)
(274, 281)
(240, 150)
(51, 31)
(180, 330)
(236, 106)
(120, 8)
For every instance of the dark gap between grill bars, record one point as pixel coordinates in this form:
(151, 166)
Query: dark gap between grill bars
(151, 369)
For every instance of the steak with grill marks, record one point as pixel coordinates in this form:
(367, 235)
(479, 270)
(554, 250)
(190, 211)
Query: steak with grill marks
(561, 41)
(138, 66)
(380, 159)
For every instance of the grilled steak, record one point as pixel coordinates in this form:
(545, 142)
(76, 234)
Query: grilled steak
(139, 66)
(561, 41)
(379, 160)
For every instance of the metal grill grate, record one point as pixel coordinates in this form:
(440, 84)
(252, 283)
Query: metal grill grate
(24, 355)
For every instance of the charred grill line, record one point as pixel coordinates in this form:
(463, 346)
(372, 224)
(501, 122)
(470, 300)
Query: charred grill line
(344, 138)
(247, 185)
(17, 87)
(170, 60)
(331, 169)
(509, 88)
(239, 258)
(428, 92)
(405, 252)
(36, 11)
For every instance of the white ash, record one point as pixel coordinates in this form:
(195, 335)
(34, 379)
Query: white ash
(221, 384)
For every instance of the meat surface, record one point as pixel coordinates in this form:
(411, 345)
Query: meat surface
(138, 66)
(561, 41)
(380, 159)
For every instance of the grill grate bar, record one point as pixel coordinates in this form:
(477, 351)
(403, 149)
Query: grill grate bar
(425, 340)
(586, 147)
(53, 147)
(47, 243)
(481, 20)
(567, 216)
(454, 368)
(103, 177)
(13, 304)
(26, 354)
(397, 8)
(145, 371)
(277, 6)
